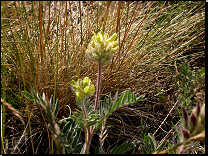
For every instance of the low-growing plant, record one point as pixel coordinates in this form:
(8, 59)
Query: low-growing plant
(88, 117)
(192, 128)
(186, 80)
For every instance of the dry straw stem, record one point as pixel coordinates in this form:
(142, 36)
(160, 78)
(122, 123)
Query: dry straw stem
(195, 138)
(165, 118)
(13, 111)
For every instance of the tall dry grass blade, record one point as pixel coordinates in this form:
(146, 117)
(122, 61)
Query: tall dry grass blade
(105, 16)
(72, 36)
(13, 111)
(43, 73)
(65, 29)
(118, 27)
(130, 46)
(81, 40)
(41, 32)
(144, 38)
(118, 16)
(19, 55)
(131, 21)
(80, 13)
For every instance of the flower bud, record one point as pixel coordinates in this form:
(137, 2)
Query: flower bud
(193, 119)
(73, 82)
(194, 124)
(89, 90)
(115, 44)
(106, 36)
(198, 109)
(185, 116)
(74, 87)
(186, 133)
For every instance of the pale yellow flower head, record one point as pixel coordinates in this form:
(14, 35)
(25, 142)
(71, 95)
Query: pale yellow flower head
(83, 88)
(102, 47)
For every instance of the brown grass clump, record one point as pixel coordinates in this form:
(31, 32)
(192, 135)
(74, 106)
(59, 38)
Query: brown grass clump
(43, 48)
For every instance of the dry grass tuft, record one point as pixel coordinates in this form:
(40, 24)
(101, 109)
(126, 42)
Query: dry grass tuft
(43, 47)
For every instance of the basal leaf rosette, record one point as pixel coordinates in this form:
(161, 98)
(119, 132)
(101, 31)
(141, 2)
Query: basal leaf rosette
(102, 47)
(83, 88)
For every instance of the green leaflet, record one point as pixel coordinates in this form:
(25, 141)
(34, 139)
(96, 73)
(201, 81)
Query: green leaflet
(76, 138)
(72, 140)
(28, 95)
(152, 142)
(55, 113)
(123, 148)
(67, 126)
(109, 106)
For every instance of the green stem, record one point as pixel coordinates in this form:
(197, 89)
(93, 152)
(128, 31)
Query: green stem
(86, 131)
(87, 140)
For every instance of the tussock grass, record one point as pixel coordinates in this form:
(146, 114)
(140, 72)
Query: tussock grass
(43, 47)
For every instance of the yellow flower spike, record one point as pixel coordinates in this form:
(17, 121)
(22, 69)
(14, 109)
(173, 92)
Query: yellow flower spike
(83, 88)
(102, 47)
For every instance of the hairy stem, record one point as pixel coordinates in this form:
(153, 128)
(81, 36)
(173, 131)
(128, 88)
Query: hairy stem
(83, 110)
(86, 131)
(98, 84)
(91, 128)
